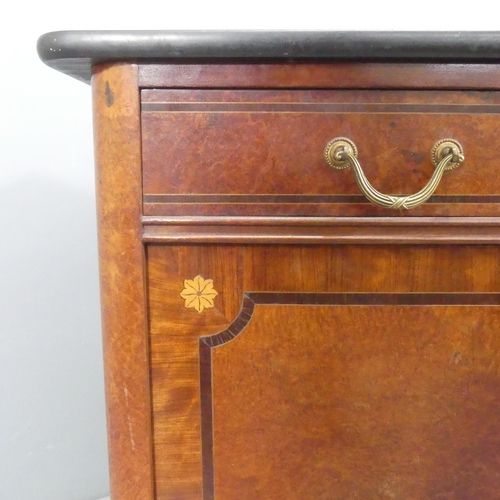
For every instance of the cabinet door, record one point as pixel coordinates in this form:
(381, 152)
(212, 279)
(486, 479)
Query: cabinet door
(325, 372)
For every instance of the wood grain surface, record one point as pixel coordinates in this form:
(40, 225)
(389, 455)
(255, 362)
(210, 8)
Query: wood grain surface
(338, 75)
(360, 392)
(346, 233)
(121, 259)
(237, 153)
(358, 402)
(321, 230)
(175, 377)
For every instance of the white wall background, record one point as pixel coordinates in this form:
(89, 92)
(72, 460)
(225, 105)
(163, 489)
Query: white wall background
(52, 427)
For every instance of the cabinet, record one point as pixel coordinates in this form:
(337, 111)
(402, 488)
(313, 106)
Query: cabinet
(268, 332)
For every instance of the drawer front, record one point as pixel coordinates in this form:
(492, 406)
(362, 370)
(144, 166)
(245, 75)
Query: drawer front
(261, 152)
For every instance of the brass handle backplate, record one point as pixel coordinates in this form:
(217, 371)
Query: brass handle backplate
(446, 154)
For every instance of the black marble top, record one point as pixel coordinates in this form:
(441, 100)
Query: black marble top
(74, 52)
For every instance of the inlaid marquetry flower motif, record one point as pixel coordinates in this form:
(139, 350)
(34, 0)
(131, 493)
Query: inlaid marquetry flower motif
(199, 293)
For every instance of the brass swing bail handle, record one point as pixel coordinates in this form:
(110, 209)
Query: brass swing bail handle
(446, 154)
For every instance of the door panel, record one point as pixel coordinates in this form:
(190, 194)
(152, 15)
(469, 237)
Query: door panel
(326, 371)
(357, 401)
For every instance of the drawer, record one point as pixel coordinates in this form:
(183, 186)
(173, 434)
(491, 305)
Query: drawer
(261, 152)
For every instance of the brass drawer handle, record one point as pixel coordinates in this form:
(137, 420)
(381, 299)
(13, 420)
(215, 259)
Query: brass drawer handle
(341, 153)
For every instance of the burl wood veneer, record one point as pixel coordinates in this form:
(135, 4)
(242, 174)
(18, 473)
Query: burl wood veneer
(269, 334)
(260, 152)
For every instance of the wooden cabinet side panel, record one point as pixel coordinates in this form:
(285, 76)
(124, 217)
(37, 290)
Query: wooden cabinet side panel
(121, 256)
